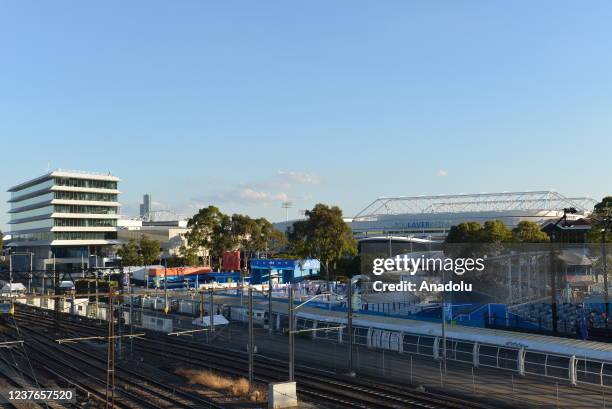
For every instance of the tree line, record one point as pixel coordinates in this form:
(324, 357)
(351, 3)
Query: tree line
(218, 232)
(323, 235)
(495, 231)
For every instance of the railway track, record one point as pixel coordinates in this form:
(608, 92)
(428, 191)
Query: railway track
(87, 372)
(315, 385)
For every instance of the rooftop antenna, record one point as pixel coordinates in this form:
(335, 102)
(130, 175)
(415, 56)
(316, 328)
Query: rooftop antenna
(287, 206)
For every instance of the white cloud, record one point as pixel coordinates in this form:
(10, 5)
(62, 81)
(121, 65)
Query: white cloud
(282, 186)
(299, 177)
(261, 196)
(244, 196)
(442, 173)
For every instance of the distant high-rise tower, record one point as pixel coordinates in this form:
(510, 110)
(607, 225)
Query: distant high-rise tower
(145, 207)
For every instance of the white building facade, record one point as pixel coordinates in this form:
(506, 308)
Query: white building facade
(65, 219)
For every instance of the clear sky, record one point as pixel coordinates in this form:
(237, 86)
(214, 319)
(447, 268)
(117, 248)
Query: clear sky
(245, 104)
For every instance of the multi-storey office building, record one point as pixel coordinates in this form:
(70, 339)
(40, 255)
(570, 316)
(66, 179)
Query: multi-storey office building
(64, 219)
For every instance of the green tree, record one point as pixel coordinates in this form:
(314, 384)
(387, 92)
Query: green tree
(467, 232)
(323, 235)
(212, 230)
(149, 250)
(277, 241)
(495, 231)
(529, 232)
(135, 253)
(188, 256)
(244, 231)
(130, 254)
(601, 221)
(255, 236)
(471, 239)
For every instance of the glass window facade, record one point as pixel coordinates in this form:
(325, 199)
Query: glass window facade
(65, 235)
(36, 224)
(84, 235)
(87, 183)
(43, 235)
(42, 199)
(97, 197)
(85, 209)
(31, 189)
(40, 211)
(85, 222)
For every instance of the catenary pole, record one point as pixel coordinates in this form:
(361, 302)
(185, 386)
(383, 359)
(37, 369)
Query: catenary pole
(251, 338)
(349, 328)
(291, 349)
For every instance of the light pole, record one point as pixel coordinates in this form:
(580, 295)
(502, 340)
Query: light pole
(270, 329)
(251, 339)
(349, 326)
(291, 314)
(212, 307)
(444, 322)
(553, 266)
(291, 349)
(607, 220)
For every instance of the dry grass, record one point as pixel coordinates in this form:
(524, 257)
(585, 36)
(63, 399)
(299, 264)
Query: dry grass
(235, 387)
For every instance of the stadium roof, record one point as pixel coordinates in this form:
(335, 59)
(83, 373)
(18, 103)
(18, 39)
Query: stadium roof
(482, 202)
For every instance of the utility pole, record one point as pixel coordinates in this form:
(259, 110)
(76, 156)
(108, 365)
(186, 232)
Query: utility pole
(349, 328)
(31, 272)
(212, 312)
(166, 309)
(604, 253)
(202, 307)
(97, 298)
(251, 339)
(444, 322)
(291, 349)
(129, 281)
(56, 301)
(110, 368)
(553, 281)
(270, 323)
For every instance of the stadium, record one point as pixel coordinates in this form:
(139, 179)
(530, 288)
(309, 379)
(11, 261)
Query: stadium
(431, 217)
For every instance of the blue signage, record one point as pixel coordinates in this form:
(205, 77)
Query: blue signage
(414, 225)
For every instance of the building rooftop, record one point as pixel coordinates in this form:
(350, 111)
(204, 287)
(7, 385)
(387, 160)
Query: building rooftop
(482, 202)
(77, 174)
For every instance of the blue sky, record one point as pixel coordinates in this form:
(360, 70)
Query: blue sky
(245, 104)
